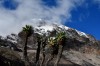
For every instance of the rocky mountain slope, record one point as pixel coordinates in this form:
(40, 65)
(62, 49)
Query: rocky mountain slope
(73, 35)
(81, 49)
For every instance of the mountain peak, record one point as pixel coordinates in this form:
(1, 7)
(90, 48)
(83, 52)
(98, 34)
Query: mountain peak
(44, 27)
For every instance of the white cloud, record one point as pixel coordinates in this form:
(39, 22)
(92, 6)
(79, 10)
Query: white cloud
(13, 20)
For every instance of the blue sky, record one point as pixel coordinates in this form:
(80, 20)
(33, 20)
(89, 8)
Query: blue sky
(83, 16)
(87, 19)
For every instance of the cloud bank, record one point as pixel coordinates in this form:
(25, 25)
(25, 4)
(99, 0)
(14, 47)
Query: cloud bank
(31, 11)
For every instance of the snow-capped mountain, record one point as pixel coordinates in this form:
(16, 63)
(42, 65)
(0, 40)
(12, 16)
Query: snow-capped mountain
(47, 28)
(44, 28)
(50, 27)
(77, 49)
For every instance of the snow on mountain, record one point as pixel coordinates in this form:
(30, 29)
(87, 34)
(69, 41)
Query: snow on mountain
(41, 26)
(44, 28)
(12, 38)
(82, 33)
(64, 27)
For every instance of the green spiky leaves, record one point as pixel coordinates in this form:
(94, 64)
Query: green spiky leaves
(28, 29)
(61, 37)
(58, 40)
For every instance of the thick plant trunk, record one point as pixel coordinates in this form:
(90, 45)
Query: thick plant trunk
(43, 53)
(59, 55)
(49, 59)
(26, 61)
(25, 49)
(38, 53)
(43, 59)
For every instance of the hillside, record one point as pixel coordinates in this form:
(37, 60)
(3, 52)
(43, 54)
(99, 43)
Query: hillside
(80, 49)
